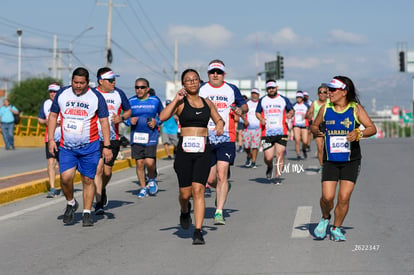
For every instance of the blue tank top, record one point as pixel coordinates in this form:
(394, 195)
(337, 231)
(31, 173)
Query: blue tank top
(338, 125)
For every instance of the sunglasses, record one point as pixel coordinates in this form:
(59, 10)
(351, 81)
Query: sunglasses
(216, 71)
(325, 92)
(54, 92)
(112, 80)
(140, 87)
(333, 89)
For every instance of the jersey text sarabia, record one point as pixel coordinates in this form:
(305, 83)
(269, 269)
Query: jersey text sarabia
(79, 116)
(223, 97)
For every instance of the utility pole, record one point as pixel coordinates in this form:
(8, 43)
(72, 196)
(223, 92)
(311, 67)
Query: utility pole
(109, 57)
(19, 61)
(54, 55)
(176, 63)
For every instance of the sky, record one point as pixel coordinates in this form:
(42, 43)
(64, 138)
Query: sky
(318, 40)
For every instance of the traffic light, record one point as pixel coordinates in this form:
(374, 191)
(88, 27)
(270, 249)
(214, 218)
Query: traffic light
(280, 67)
(402, 61)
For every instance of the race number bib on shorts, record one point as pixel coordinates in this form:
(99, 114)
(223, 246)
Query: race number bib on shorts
(194, 144)
(339, 145)
(141, 138)
(73, 126)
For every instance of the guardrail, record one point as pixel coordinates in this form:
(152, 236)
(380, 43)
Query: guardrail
(29, 126)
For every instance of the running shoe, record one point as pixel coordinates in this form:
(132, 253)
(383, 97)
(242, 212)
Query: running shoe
(207, 192)
(320, 170)
(52, 193)
(185, 218)
(218, 219)
(152, 187)
(69, 214)
(298, 158)
(198, 237)
(99, 208)
(104, 198)
(248, 163)
(336, 235)
(87, 219)
(240, 150)
(320, 230)
(278, 181)
(143, 193)
(269, 172)
(254, 166)
(305, 154)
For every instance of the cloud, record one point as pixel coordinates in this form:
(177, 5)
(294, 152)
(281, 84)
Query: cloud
(347, 38)
(283, 37)
(211, 36)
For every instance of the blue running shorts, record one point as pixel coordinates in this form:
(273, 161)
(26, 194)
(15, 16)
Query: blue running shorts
(225, 151)
(86, 159)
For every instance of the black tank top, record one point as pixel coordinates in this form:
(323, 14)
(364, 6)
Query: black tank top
(194, 117)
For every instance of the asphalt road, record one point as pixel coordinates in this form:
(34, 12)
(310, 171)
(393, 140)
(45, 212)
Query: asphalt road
(268, 228)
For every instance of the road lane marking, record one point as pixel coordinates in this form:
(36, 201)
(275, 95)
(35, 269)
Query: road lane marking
(300, 227)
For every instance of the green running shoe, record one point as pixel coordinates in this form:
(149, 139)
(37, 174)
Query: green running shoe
(218, 219)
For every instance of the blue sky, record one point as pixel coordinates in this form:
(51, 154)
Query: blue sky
(318, 39)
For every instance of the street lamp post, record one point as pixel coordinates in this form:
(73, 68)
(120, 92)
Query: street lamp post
(71, 47)
(19, 56)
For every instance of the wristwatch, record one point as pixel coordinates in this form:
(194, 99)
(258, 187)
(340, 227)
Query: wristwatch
(107, 147)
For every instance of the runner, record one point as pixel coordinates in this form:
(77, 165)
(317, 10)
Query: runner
(52, 160)
(193, 151)
(144, 124)
(223, 149)
(300, 125)
(117, 102)
(251, 134)
(341, 118)
(80, 108)
(272, 111)
(311, 115)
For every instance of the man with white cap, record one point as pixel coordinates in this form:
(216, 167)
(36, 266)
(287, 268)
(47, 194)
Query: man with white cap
(119, 110)
(300, 125)
(223, 148)
(43, 116)
(252, 135)
(272, 111)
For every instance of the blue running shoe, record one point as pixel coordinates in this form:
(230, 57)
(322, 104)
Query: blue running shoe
(336, 235)
(143, 193)
(152, 187)
(320, 230)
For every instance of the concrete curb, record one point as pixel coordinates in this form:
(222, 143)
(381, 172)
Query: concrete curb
(33, 188)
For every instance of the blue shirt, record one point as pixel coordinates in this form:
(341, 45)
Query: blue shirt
(144, 109)
(7, 115)
(170, 126)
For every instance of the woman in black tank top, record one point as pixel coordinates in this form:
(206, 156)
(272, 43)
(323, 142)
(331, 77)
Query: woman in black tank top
(192, 162)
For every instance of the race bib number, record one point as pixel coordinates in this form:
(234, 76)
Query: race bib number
(339, 144)
(73, 126)
(273, 122)
(194, 144)
(141, 138)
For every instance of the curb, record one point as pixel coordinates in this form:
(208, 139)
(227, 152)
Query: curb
(33, 188)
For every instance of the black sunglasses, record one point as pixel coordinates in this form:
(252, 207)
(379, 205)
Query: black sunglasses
(112, 80)
(217, 71)
(51, 91)
(140, 87)
(325, 92)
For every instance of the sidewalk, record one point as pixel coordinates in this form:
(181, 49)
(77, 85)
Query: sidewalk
(21, 185)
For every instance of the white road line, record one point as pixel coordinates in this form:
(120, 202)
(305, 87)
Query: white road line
(58, 200)
(300, 227)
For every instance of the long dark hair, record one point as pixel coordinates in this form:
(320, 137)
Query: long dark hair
(187, 71)
(351, 94)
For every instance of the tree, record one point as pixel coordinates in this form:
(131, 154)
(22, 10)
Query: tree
(28, 97)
